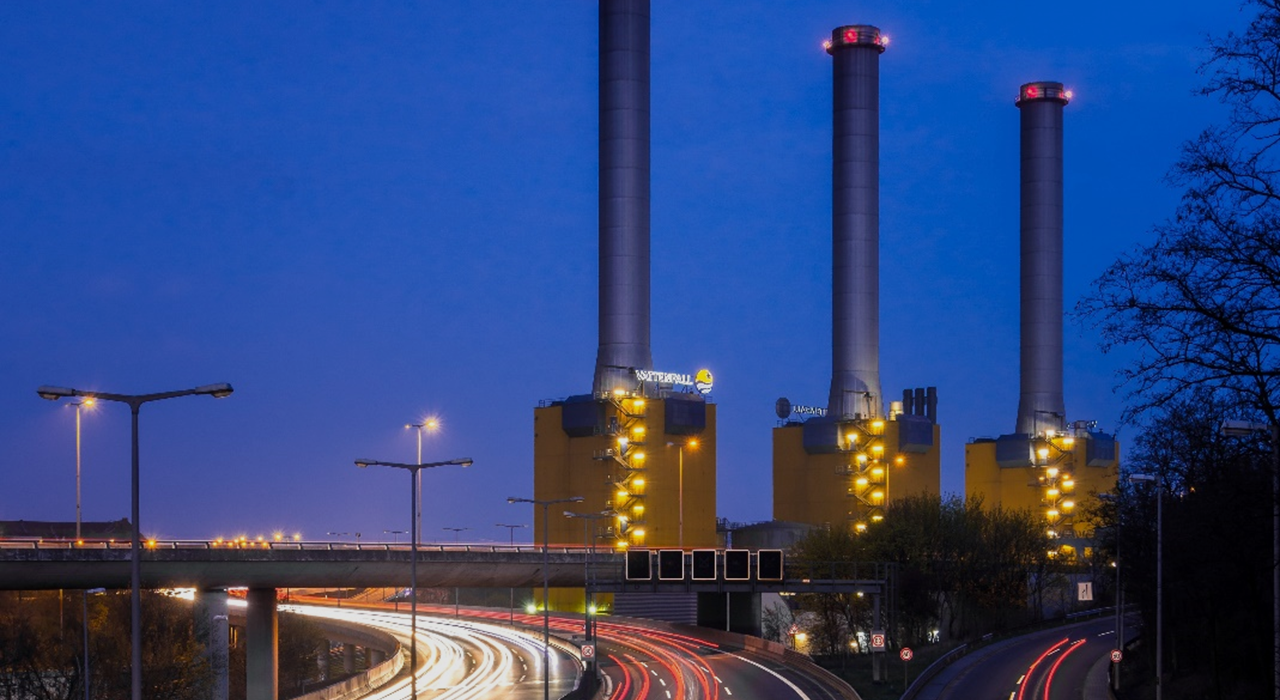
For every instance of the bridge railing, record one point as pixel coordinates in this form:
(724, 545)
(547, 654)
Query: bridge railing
(284, 545)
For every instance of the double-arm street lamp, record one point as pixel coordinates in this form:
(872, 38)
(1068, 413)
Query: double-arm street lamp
(414, 471)
(546, 562)
(1159, 484)
(134, 401)
(1239, 428)
(588, 543)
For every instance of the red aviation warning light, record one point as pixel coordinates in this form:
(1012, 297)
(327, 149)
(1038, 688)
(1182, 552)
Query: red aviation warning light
(1043, 90)
(856, 35)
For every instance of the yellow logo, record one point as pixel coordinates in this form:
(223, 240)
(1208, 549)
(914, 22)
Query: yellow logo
(702, 381)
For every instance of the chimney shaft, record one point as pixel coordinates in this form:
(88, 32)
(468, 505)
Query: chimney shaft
(1040, 406)
(624, 195)
(855, 223)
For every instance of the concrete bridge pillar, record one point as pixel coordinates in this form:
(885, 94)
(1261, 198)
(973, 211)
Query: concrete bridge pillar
(262, 674)
(213, 629)
(348, 657)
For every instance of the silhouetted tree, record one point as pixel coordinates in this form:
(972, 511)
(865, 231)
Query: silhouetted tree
(1217, 533)
(1201, 305)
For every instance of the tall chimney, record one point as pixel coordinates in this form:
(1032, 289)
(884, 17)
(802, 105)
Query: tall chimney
(624, 194)
(1040, 406)
(855, 223)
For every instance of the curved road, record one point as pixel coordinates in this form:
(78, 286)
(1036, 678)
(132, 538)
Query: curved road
(469, 657)
(1066, 663)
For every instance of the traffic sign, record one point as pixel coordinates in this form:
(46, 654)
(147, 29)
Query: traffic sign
(905, 654)
(588, 651)
(1084, 591)
(877, 641)
(1116, 656)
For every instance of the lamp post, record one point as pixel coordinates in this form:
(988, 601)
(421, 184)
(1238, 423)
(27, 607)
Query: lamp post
(414, 472)
(1239, 428)
(1115, 667)
(82, 403)
(512, 530)
(546, 562)
(693, 444)
(135, 401)
(1159, 483)
(395, 534)
(589, 544)
(427, 424)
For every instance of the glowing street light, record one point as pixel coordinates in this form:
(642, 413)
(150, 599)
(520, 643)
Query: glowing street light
(414, 470)
(431, 423)
(134, 401)
(692, 444)
(546, 562)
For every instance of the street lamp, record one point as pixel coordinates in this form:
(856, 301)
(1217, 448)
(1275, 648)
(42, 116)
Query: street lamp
(395, 535)
(82, 403)
(1240, 428)
(692, 444)
(512, 530)
(1115, 667)
(588, 543)
(135, 401)
(546, 562)
(1159, 484)
(414, 471)
(431, 423)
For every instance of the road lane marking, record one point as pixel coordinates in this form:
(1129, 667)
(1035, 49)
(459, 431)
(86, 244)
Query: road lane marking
(775, 674)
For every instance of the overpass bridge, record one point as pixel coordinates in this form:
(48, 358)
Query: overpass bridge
(211, 567)
(215, 564)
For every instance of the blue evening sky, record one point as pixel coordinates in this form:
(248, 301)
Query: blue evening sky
(362, 213)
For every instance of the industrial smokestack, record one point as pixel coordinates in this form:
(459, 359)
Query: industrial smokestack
(1040, 406)
(624, 194)
(855, 222)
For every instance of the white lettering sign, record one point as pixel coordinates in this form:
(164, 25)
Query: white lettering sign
(673, 378)
(809, 410)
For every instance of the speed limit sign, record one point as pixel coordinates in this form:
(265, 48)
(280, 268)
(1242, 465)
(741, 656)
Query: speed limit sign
(905, 654)
(1116, 656)
(588, 651)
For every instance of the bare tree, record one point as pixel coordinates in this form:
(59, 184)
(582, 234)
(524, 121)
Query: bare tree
(1201, 305)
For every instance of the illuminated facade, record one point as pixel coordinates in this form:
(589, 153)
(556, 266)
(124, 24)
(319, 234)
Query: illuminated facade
(1051, 475)
(845, 473)
(638, 458)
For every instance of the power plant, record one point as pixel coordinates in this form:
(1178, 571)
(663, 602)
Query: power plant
(641, 446)
(1047, 465)
(639, 450)
(841, 466)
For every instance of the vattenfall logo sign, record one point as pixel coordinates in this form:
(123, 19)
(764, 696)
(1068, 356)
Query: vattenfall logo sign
(702, 381)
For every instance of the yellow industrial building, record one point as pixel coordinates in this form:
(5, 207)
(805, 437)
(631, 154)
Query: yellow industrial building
(649, 462)
(845, 473)
(1053, 475)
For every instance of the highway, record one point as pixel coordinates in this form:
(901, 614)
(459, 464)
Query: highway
(463, 659)
(479, 656)
(1067, 663)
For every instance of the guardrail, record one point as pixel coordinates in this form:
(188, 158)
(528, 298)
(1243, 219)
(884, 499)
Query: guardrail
(286, 545)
